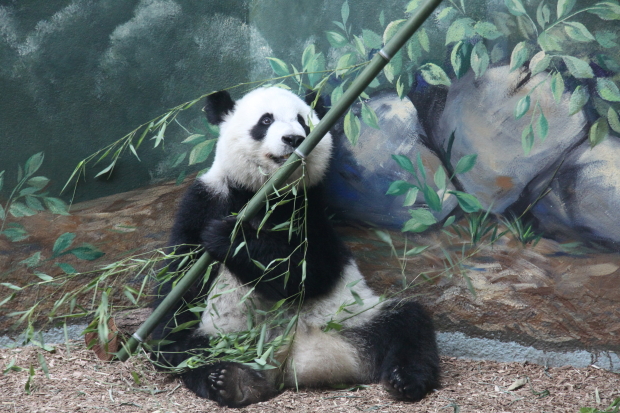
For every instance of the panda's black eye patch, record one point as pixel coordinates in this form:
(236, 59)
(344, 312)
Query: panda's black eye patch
(302, 122)
(259, 131)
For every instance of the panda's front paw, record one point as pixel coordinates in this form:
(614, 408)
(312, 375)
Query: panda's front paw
(403, 384)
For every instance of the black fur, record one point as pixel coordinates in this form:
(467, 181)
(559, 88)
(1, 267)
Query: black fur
(217, 106)
(302, 122)
(401, 346)
(259, 131)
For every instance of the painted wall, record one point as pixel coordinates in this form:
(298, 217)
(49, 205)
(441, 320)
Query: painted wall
(493, 134)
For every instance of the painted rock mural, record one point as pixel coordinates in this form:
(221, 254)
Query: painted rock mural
(480, 169)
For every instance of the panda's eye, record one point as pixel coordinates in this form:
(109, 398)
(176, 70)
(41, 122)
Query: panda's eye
(266, 119)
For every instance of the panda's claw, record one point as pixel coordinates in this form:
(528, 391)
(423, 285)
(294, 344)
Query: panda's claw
(405, 384)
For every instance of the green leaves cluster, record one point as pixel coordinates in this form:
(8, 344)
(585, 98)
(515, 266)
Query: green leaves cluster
(422, 219)
(28, 198)
(555, 39)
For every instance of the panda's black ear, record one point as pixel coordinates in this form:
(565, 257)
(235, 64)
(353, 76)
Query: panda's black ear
(217, 105)
(319, 108)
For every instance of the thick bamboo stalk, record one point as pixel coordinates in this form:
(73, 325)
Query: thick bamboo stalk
(375, 66)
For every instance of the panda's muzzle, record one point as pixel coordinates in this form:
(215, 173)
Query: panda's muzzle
(293, 140)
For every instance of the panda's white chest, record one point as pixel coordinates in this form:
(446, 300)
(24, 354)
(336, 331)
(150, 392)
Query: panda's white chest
(231, 306)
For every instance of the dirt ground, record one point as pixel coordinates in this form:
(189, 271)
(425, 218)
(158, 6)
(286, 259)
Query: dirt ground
(76, 381)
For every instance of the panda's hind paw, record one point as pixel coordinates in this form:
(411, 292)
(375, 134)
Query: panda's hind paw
(236, 385)
(407, 385)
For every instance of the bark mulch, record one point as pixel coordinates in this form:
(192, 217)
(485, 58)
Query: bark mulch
(79, 382)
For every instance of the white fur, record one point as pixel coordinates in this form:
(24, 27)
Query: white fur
(242, 161)
(318, 357)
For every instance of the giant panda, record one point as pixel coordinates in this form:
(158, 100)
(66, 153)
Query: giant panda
(386, 341)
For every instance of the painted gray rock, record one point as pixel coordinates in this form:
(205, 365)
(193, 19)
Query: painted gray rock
(585, 194)
(361, 175)
(481, 112)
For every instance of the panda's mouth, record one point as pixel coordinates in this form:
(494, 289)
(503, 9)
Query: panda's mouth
(279, 159)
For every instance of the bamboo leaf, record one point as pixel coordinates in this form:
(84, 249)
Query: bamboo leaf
(460, 58)
(416, 250)
(579, 98)
(598, 132)
(109, 168)
(344, 12)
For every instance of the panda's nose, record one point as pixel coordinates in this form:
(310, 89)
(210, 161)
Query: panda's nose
(293, 140)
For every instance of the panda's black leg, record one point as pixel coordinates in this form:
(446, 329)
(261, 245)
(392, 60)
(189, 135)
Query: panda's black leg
(401, 345)
(230, 384)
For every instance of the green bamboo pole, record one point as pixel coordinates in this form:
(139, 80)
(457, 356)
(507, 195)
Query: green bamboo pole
(375, 66)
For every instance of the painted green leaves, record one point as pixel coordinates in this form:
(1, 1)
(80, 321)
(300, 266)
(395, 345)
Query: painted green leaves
(479, 59)
(352, 127)
(422, 218)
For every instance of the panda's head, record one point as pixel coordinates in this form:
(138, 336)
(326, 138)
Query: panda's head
(257, 135)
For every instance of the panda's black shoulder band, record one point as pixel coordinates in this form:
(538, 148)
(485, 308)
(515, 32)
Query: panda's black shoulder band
(384, 55)
(299, 153)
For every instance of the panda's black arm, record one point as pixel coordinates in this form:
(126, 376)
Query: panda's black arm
(197, 207)
(325, 256)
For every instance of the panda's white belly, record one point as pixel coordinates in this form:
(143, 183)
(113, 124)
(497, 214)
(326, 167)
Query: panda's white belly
(227, 310)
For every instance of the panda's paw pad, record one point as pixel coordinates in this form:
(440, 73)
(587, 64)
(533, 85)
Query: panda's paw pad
(404, 385)
(223, 385)
(235, 385)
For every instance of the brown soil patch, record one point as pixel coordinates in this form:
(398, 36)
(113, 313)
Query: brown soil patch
(79, 382)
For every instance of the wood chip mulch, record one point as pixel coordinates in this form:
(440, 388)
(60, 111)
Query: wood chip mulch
(79, 382)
